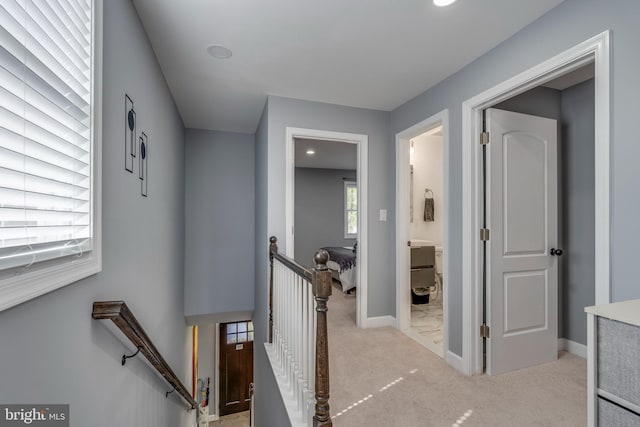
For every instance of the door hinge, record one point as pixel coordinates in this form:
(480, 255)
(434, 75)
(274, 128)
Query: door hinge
(484, 234)
(484, 138)
(485, 332)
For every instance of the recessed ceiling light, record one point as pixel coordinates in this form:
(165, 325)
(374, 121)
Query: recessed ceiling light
(311, 151)
(443, 2)
(219, 52)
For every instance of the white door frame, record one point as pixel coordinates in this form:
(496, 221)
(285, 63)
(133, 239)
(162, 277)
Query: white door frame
(362, 142)
(594, 50)
(403, 287)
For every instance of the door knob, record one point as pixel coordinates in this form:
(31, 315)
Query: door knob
(556, 252)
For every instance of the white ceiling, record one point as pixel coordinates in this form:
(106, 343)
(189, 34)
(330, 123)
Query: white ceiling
(366, 53)
(328, 154)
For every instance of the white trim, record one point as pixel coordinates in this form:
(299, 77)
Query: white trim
(362, 142)
(381, 322)
(594, 50)
(455, 361)
(216, 373)
(572, 347)
(54, 275)
(403, 287)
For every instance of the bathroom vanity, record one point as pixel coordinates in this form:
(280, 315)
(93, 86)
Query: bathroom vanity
(613, 363)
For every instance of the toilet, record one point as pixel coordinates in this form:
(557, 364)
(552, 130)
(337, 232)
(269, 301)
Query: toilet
(439, 260)
(437, 293)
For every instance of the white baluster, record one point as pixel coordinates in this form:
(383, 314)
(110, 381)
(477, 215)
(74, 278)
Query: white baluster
(311, 343)
(298, 341)
(276, 307)
(281, 329)
(290, 286)
(285, 319)
(276, 313)
(305, 347)
(300, 361)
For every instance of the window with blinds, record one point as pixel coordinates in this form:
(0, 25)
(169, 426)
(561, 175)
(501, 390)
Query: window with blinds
(350, 210)
(46, 130)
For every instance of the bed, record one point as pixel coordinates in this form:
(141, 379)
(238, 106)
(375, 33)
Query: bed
(342, 262)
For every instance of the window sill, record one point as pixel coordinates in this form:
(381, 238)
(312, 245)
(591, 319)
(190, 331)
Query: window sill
(24, 287)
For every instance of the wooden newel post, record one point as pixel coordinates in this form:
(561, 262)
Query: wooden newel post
(321, 292)
(273, 248)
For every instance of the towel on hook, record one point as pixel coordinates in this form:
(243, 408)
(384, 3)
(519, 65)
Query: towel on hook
(429, 208)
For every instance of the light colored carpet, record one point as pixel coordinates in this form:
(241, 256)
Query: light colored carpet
(382, 378)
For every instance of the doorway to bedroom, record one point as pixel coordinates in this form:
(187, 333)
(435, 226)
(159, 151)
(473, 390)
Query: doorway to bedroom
(326, 207)
(326, 199)
(421, 203)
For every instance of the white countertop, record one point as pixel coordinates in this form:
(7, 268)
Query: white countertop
(625, 311)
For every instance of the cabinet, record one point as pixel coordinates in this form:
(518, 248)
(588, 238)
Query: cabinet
(613, 363)
(422, 273)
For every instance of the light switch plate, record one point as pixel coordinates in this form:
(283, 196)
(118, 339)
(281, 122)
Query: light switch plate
(383, 214)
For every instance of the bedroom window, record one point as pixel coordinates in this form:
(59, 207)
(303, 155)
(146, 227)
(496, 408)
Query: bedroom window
(350, 210)
(49, 145)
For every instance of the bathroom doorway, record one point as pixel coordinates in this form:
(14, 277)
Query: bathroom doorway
(422, 207)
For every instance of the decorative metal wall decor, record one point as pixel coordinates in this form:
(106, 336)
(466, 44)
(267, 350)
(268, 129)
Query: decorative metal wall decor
(144, 168)
(135, 146)
(129, 133)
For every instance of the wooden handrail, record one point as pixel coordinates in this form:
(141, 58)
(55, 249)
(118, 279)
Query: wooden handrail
(119, 313)
(291, 264)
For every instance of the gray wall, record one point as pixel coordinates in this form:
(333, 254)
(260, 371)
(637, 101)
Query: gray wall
(270, 208)
(220, 224)
(319, 211)
(269, 407)
(284, 112)
(574, 110)
(52, 351)
(207, 347)
(572, 22)
(578, 188)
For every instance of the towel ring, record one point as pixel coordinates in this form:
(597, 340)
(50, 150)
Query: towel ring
(427, 191)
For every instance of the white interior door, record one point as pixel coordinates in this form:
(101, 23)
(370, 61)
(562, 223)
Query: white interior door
(522, 216)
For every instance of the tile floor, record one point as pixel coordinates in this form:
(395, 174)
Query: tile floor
(426, 325)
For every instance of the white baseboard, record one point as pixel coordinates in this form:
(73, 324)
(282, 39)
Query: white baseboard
(455, 361)
(572, 347)
(381, 321)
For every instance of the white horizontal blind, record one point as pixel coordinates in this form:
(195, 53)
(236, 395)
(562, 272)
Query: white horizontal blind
(351, 209)
(45, 130)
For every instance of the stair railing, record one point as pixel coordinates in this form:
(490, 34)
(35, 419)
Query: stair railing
(298, 336)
